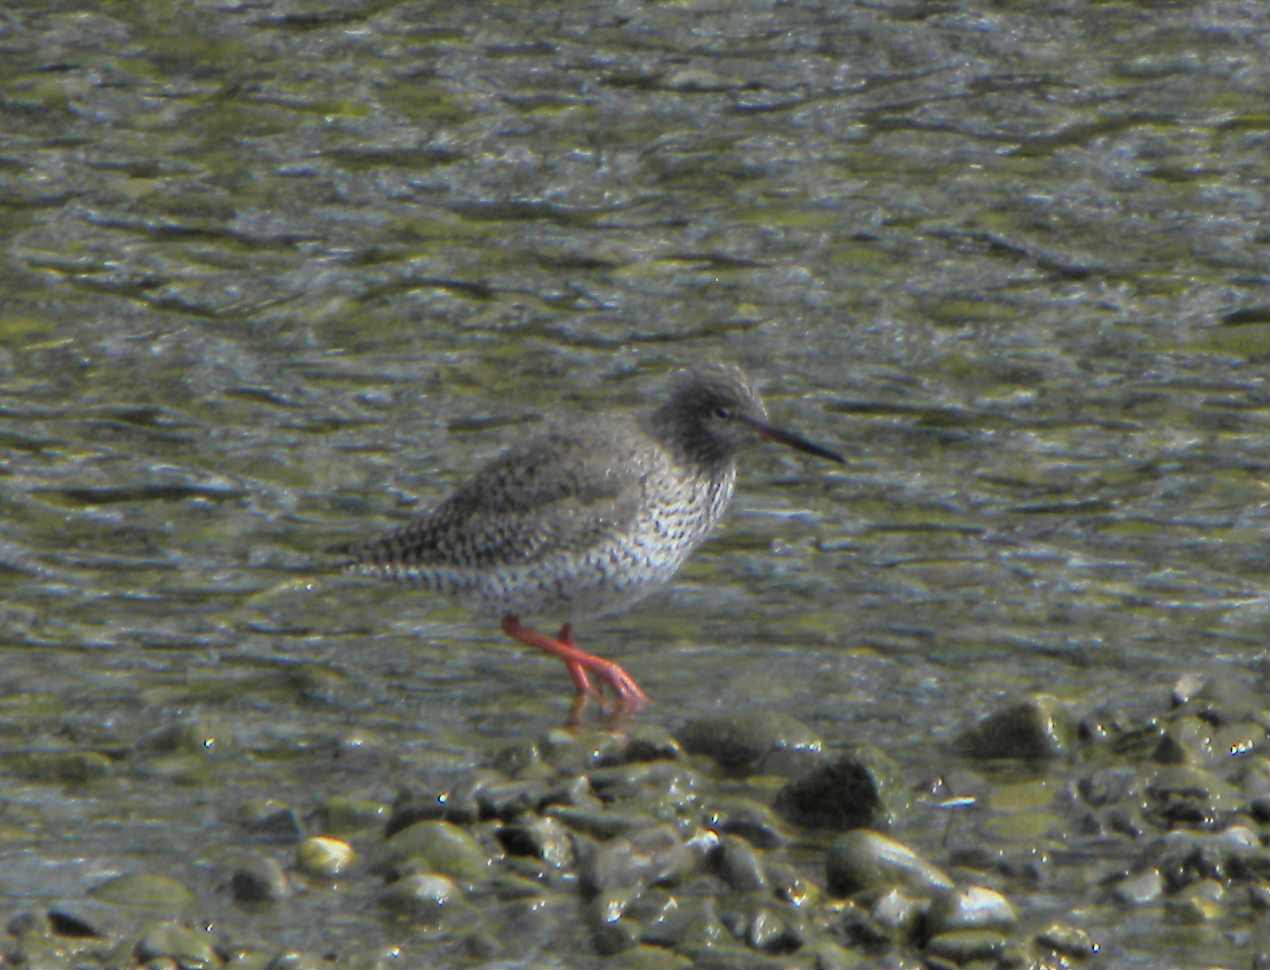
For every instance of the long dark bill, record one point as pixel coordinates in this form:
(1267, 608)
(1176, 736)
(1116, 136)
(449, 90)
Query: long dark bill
(794, 441)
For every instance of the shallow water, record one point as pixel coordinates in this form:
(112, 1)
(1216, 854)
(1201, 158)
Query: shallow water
(288, 280)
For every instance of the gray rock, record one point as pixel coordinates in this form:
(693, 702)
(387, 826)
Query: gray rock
(580, 751)
(258, 879)
(1107, 786)
(666, 919)
(648, 857)
(669, 783)
(1186, 741)
(1139, 889)
(610, 933)
(964, 946)
(1036, 727)
(753, 742)
(1067, 940)
(598, 822)
(324, 857)
(754, 919)
(651, 742)
(863, 859)
(421, 895)
(861, 788)
(897, 914)
(1187, 796)
(520, 757)
(970, 908)
(188, 948)
(739, 866)
(341, 814)
(508, 799)
(458, 805)
(437, 846)
(142, 890)
(540, 837)
(83, 918)
(751, 820)
(271, 818)
(295, 960)
(1200, 902)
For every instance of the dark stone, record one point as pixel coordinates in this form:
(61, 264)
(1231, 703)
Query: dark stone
(860, 788)
(258, 879)
(1036, 727)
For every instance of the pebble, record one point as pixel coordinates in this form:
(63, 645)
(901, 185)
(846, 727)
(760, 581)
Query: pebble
(324, 856)
(422, 895)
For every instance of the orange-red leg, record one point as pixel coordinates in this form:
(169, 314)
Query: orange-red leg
(579, 662)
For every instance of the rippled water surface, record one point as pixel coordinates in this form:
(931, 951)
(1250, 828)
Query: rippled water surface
(276, 274)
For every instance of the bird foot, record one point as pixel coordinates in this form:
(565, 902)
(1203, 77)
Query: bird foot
(628, 694)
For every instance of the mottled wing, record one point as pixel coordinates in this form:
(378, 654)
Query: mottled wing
(555, 494)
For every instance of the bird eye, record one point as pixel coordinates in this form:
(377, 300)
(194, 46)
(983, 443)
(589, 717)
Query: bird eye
(722, 413)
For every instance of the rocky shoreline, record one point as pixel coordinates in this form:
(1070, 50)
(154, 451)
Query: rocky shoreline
(749, 842)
